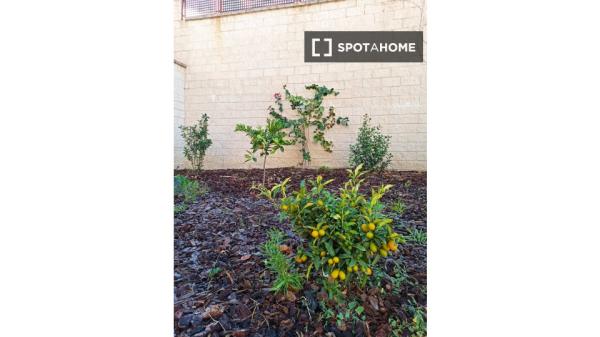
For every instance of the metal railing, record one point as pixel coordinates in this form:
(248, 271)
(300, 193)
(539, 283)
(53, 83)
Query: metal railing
(206, 8)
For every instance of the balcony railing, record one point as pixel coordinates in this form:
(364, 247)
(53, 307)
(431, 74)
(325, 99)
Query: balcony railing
(192, 9)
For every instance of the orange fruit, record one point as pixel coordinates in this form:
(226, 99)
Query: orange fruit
(336, 259)
(364, 227)
(392, 246)
(335, 274)
(342, 275)
(372, 226)
(370, 235)
(314, 234)
(321, 232)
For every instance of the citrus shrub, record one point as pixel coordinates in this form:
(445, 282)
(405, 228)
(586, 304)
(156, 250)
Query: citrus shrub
(265, 140)
(312, 118)
(345, 234)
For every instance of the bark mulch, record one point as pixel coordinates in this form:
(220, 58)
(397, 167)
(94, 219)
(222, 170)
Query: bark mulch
(222, 286)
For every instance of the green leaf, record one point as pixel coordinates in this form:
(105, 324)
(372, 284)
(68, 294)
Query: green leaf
(329, 247)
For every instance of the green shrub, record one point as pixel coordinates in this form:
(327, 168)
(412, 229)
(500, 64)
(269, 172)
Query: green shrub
(399, 207)
(396, 327)
(212, 272)
(188, 189)
(399, 277)
(418, 325)
(415, 327)
(179, 208)
(286, 277)
(346, 233)
(196, 142)
(417, 236)
(311, 118)
(324, 169)
(265, 140)
(371, 148)
(353, 312)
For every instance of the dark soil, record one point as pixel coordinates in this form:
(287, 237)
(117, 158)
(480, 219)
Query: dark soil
(222, 286)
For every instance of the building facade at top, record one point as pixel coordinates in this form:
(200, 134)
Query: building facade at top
(230, 61)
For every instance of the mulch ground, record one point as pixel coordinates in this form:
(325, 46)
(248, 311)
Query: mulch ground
(222, 286)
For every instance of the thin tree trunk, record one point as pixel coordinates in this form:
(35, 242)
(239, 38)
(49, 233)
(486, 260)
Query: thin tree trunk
(264, 170)
(308, 144)
(305, 148)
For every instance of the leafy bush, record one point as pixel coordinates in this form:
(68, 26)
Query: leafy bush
(415, 327)
(417, 236)
(285, 276)
(265, 140)
(212, 272)
(371, 148)
(399, 277)
(180, 208)
(196, 142)
(396, 327)
(418, 324)
(323, 169)
(311, 116)
(188, 189)
(346, 233)
(178, 183)
(352, 313)
(399, 207)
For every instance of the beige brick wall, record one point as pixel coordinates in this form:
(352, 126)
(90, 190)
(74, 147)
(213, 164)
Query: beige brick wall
(235, 63)
(179, 115)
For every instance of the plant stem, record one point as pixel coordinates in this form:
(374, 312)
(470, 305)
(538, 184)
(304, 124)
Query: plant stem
(305, 149)
(264, 169)
(307, 143)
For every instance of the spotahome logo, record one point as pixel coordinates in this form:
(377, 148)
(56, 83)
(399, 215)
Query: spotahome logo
(370, 46)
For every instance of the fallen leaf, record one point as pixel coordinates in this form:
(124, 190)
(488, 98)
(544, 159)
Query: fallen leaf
(373, 302)
(229, 276)
(285, 249)
(212, 311)
(286, 324)
(245, 257)
(240, 333)
(290, 296)
(383, 331)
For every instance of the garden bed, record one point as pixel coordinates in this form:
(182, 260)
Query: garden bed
(222, 287)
